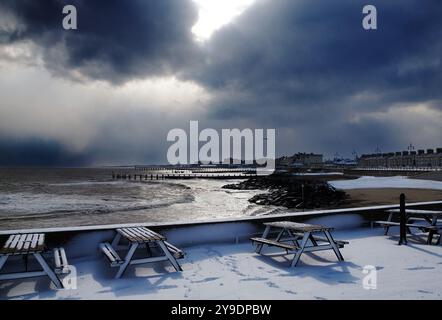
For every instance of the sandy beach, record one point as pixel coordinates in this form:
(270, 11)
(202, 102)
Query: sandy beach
(369, 197)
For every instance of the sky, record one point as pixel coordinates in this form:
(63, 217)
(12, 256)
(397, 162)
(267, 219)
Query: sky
(109, 92)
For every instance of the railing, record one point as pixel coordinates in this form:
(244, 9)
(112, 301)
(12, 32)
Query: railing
(420, 169)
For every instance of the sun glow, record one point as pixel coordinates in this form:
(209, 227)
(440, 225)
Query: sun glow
(213, 14)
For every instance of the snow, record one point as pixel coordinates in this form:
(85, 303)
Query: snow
(368, 182)
(234, 271)
(318, 174)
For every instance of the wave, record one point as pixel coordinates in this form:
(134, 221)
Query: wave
(254, 210)
(60, 213)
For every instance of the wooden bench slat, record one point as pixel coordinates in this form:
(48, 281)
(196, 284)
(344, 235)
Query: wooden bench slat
(275, 243)
(23, 243)
(147, 235)
(341, 243)
(303, 227)
(34, 240)
(9, 243)
(14, 243)
(131, 235)
(144, 237)
(140, 234)
(20, 244)
(137, 234)
(61, 261)
(409, 225)
(319, 238)
(27, 243)
(177, 253)
(57, 258)
(151, 234)
(111, 254)
(127, 235)
(154, 234)
(40, 243)
(417, 211)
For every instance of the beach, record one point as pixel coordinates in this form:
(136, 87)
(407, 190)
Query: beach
(372, 197)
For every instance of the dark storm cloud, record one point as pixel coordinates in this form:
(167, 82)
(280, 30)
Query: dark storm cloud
(116, 40)
(305, 52)
(304, 67)
(309, 65)
(37, 152)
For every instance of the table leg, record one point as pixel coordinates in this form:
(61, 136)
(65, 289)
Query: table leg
(51, 274)
(430, 237)
(433, 221)
(264, 235)
(169, 256)
(312, 239)
(280, 234)
(148, 251)
(334, 245)
(295, 238)
(3, 259)
(116, 240)
(301, 249)
(127, 260)
(390, 217)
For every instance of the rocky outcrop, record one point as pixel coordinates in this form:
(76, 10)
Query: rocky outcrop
(292, 193)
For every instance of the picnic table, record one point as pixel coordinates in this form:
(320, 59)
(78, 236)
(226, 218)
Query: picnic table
(139, 237)
(294, 237)
(32, 244)
(428, 219)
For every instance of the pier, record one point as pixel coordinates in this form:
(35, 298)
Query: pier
(167, 173)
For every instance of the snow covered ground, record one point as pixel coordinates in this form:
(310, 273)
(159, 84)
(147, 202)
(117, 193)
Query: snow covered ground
(234, 271)
(368, 182)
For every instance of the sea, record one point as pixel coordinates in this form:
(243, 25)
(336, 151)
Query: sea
(67, 197)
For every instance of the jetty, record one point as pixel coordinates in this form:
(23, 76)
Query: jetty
(169, 172)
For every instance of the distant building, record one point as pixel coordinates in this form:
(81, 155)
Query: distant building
(421, 158)
(344, 162)
(300, 160)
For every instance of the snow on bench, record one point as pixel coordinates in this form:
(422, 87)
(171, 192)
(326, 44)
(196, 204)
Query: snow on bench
(61, 261)
(409, 225)
(177, 253)
(276, 243)
(111, 254)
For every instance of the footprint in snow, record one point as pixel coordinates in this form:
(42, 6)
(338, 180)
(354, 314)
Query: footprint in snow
(420, 268)
(425, 291)
(272, 284)
(206, 280)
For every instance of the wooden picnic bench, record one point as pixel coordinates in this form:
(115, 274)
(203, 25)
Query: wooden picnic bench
(138, 237)
(428, 221)
(33, 244)
(294, 237)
